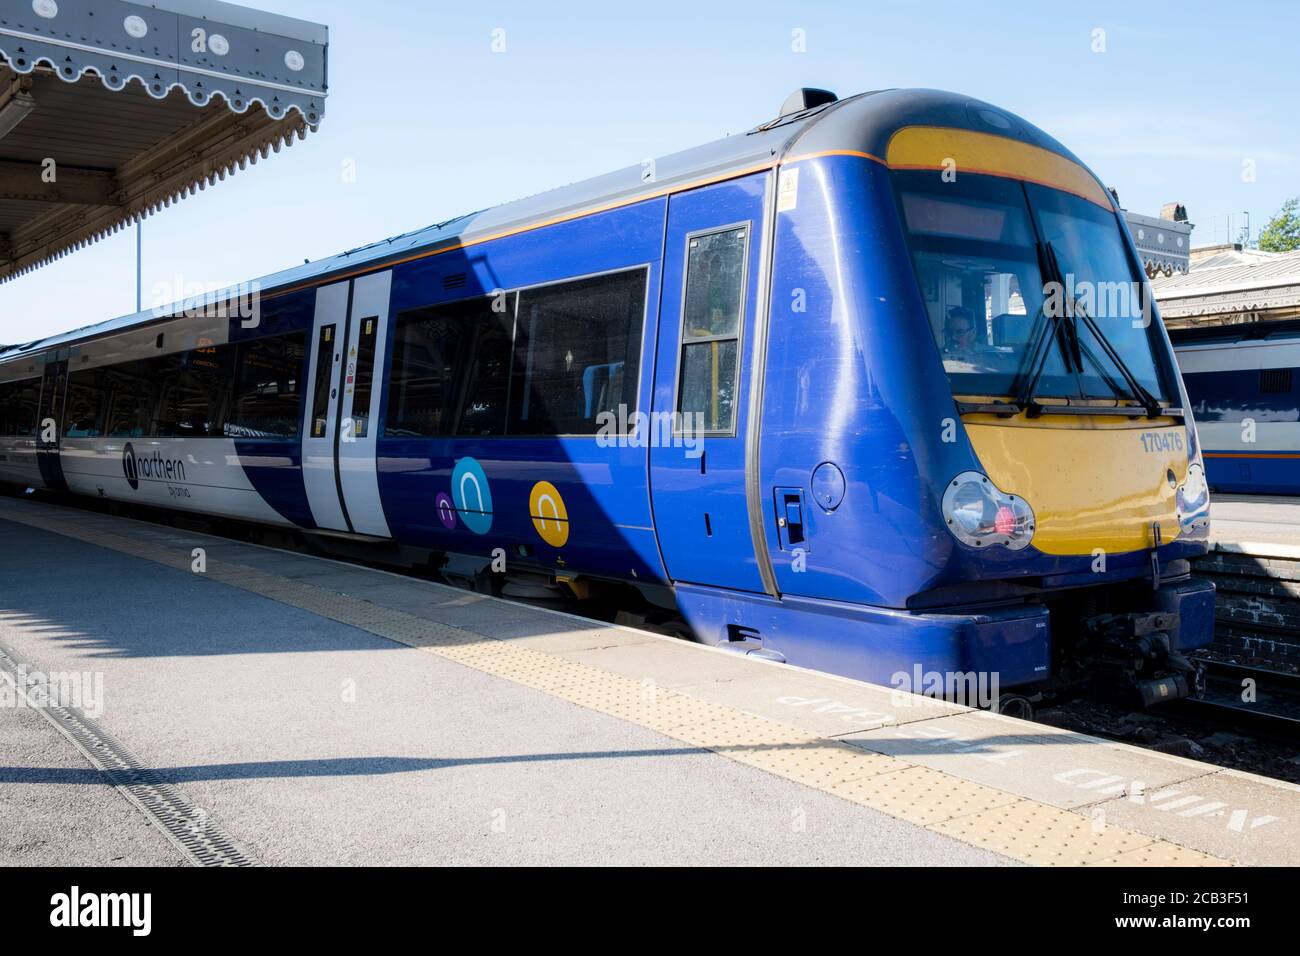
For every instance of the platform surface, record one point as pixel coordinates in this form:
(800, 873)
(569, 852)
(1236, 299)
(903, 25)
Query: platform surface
(1242, 521)
(328, 713)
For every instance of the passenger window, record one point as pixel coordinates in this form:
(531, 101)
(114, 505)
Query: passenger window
(577, 354)
(450, 369)
(134, 398)
(197, 384)
(85, 405)
(426, 346)
(266, 403)
(18, 401)
(483, 411)
(712, 312)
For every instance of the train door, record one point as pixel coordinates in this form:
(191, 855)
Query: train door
(49, 424)
(349, 337)
(697, 463)
(359, 403)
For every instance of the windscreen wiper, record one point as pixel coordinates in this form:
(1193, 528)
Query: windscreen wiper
(1139, 393)
(1109, 379)
(1066, 336)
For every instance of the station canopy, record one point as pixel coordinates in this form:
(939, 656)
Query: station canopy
(111, 109)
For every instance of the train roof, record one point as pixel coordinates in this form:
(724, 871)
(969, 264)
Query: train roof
(861, 123)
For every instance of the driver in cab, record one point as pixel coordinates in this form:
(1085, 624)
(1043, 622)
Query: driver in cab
(960, 336)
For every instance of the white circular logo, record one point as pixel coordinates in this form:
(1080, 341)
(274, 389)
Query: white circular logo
(294, 61)
(135, 27)
(218, 44)
(47, 9)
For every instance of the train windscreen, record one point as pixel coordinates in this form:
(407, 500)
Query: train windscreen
(1027, 285)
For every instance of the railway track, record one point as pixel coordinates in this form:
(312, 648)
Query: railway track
(1256, 700)
(1259, 736)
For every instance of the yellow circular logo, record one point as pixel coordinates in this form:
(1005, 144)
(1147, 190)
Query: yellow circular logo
(550, 517)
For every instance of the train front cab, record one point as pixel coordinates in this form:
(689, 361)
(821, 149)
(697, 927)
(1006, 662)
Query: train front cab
(948, 528)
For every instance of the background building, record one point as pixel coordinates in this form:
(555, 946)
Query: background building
(1164, 242)
(1230, 285)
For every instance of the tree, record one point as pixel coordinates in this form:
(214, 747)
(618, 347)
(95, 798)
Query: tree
(1282, 234)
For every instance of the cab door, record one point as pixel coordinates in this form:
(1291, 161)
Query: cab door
(349, 337)
(697, 466)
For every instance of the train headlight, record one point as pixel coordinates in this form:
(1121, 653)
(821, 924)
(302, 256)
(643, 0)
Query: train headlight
(979, 514)
(1193, 498)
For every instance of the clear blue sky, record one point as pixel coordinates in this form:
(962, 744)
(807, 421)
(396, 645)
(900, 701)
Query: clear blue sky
(437, 124)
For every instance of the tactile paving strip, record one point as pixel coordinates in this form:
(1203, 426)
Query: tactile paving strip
(1162, 855)
(973, 813)
(1043, 835)
(923, 796)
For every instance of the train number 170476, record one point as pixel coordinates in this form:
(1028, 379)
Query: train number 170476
(1162, 441)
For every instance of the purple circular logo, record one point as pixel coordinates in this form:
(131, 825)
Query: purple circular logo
(446, 510)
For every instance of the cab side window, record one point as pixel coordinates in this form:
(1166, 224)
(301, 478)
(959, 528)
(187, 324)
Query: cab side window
(712, 316)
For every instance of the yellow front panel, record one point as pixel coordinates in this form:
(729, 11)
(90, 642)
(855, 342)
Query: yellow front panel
(1092, 482)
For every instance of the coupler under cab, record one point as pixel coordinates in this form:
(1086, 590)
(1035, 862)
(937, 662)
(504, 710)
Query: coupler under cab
(1133, 660)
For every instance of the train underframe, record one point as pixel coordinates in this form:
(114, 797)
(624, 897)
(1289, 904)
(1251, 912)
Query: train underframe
(1129, 642)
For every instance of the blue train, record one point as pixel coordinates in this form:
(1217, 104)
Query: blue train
(1244, 385)
(796, 392)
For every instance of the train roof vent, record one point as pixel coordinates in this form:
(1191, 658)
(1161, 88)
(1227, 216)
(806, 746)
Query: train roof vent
(806, 98)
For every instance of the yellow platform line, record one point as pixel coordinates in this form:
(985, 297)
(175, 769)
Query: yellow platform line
(972, 813)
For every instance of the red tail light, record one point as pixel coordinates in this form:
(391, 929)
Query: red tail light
(1005, 521)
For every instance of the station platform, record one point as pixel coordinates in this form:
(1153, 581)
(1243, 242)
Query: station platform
(1249, 524)
(266, 707)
